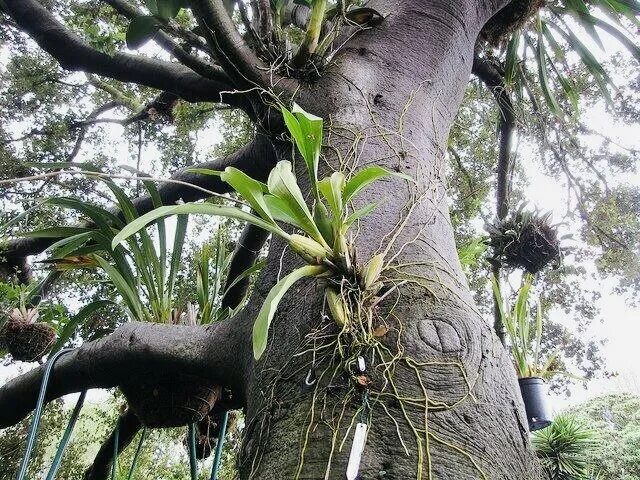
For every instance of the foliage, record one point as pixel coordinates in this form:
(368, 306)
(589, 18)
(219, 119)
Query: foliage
(211, 286)
(524, 333)
(563, 448)
(616, 419)
(323, 244)
(526, 240)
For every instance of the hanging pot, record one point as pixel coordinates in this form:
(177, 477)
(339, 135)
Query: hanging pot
(534, 395)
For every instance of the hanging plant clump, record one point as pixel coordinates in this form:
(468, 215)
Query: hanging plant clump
(525, 240)
(25, 338)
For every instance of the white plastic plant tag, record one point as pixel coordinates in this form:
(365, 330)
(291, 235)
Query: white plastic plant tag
(362, 366)
(357, 447)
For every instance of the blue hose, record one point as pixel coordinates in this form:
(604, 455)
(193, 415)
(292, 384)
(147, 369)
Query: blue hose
(55, 464)
(35, 423)
(220, 444)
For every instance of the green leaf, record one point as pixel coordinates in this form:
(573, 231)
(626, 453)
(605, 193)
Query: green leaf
(140, 30)
(249, 189)
(332, 189)
(547, 91)
(322, 221)
(152, 5)
(176, 252)
(581, 13)
(511, 59)
(358, 214)
(306, 130)
(256, 267)
(204, 171)
(471, 251)
(282, 183)
(15, 220)
(365, 177)
(126, 290)
(72, 324)
(195, 208)
(55, 232)
(593, 66)
(270, 305)
(168, 8)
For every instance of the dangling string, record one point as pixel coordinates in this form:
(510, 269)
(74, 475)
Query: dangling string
(116, 441)
(55, 464)
(219, 445)
(143, 435)
(35, 423)
(191, 434)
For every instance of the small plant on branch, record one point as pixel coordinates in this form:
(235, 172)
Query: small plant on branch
(320, 236)
(525, 240)
(21, 334)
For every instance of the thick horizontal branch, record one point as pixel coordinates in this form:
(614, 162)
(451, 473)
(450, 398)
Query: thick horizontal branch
(255, 159)
(133, 353)
(163, 39)
(73, 53)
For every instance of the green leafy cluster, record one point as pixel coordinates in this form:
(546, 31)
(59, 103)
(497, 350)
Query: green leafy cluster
(563, 449)
(143, 27)
(616, 420)
(551, 30)
(525, 333)
(322, 241)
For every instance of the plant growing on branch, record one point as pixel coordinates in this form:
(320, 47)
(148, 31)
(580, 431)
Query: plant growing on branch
(322, 241)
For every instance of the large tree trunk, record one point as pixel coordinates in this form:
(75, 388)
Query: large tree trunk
(390, 100)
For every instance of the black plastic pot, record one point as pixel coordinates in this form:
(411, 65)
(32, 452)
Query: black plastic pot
(534, 395)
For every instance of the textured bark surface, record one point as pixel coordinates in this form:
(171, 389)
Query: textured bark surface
(392, 97)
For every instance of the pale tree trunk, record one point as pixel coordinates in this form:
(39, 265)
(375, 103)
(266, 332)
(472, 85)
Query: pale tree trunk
(390, 100)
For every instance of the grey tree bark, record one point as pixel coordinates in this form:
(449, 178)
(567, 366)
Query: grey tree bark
(390, 100)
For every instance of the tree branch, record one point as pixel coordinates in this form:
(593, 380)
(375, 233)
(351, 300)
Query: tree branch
(205, 69)
(128, 427)
(492, 78)
(236, 57)
(255, 159)
(244, 256)
(73, 53)
(135, 352)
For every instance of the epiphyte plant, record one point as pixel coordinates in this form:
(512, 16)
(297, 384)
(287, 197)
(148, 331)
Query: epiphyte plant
(320, 236)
